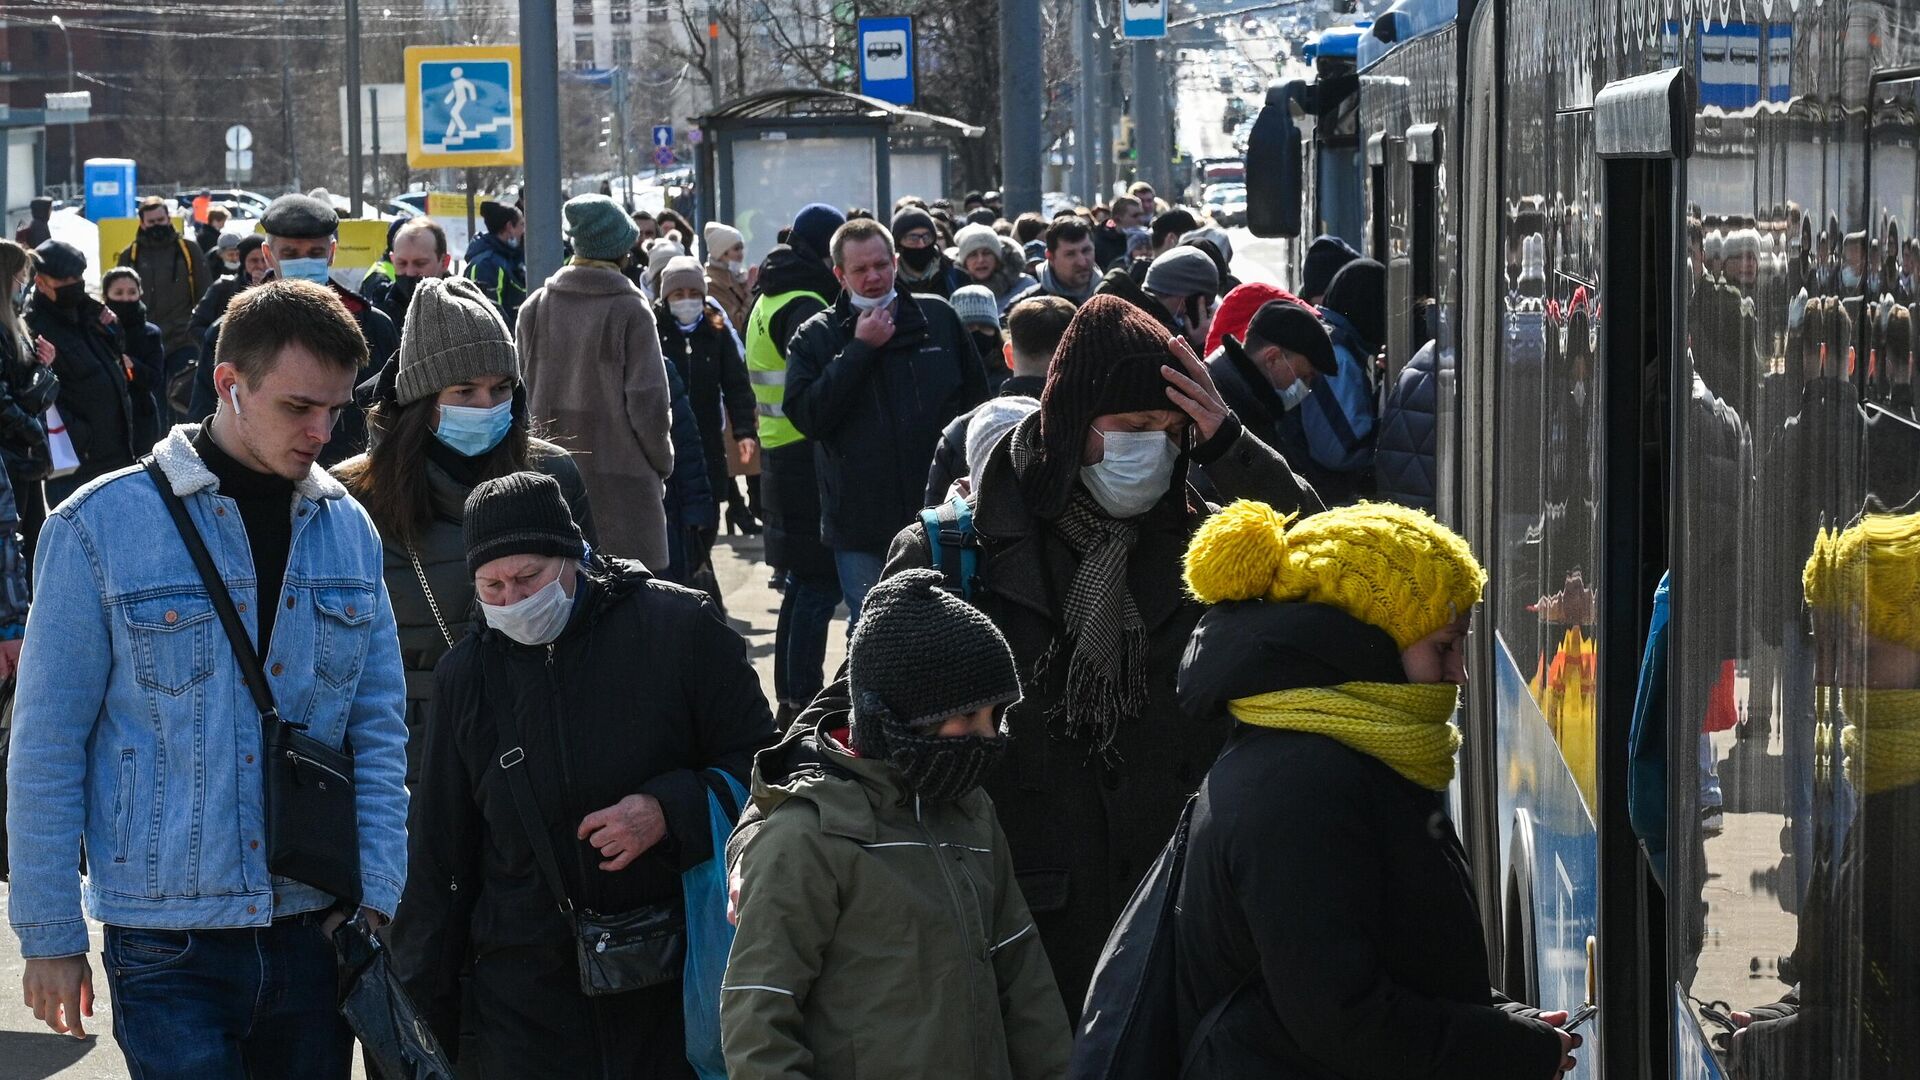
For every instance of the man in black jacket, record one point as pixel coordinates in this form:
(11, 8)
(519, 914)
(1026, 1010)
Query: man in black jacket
(94, 403)
(872, 381)
(1267, 377)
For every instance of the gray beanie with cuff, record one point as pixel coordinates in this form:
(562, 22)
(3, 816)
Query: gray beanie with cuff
(453, 334)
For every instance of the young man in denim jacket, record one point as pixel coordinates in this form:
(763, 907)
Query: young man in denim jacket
(135, 735)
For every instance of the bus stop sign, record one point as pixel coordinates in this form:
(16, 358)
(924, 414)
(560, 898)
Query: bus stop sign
(886, 59)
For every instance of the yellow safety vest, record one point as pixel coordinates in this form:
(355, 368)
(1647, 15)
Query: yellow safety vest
(767, 370)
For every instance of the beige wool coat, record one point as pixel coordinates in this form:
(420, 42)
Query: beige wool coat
(733, 293)
(594, 375)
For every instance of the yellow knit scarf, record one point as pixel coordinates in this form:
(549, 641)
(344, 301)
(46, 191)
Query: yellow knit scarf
(1403, 725)
(1882, 739)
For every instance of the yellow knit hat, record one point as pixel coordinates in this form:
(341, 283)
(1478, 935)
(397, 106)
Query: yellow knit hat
(1875, 562)
(1387, 565)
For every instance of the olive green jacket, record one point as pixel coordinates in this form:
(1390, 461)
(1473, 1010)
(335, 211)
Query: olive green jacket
(881, 936)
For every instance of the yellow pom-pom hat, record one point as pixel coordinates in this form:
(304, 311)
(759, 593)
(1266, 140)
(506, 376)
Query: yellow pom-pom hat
(1387, 565)
(1874, 564)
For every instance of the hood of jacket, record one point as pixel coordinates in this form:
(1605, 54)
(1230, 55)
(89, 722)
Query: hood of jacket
(1257, 647)
(786, 270)
(850, 793)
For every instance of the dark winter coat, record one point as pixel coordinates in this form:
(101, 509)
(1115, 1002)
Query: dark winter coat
(950, 456)
(789, 475)
(501, 273)
(350, 434)
(942, 278)
(1327, 899)
(1403, 456)
(1253, 399)
(172, 277)
(717, 387)
(442, 551)
(94, 398)
(27, 387)
(145, 348)
(881, 935)
(645, 688)
(693, 515)
(1085, 830)
(213, 304)
(875, 415)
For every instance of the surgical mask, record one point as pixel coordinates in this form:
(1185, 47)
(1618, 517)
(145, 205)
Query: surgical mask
(686, 311)
(738, 266)
(232, 264)
(1295, 392)
(473, 431)
(1849, 277)
(864, 304)
(314, 270)
(513, 244)
(1134, 473)
(536, 620)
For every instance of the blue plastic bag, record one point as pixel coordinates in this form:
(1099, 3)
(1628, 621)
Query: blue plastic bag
(709, 934)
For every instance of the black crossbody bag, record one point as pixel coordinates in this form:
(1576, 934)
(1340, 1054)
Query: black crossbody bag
(615, 953)
(313, 827)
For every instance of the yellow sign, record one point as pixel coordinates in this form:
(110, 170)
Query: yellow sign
(463, 106)
(359, 244)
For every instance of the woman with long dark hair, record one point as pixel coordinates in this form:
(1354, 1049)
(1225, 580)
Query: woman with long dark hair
(449, 413)
(27, 387)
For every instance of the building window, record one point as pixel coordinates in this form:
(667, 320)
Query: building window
(582, 11)
(656, 11)
(622, 11)
(583, 50)
(622, 51)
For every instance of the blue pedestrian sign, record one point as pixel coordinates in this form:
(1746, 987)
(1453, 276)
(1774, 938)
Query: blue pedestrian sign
(463, 106)
(663, 134)
(1143, 18)
(886, 59)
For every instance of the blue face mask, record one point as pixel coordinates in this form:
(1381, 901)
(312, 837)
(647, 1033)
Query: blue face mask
(1294, 393)
(314, 270)
(474, 431)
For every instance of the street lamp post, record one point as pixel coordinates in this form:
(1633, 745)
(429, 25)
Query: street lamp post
(73, 160)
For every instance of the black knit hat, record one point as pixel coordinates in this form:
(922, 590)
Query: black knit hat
(920, 654)
(1359, 294)
(1324, 259)
(910, 218)
(1108, 361)
(522, 513)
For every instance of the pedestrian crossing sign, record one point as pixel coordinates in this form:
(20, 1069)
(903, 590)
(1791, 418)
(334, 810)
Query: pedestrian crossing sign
(463, 106)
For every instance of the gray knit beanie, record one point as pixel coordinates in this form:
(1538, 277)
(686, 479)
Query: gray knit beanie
(1183, 271)
(682, 272)
(926, 653)
(452, 334)
(599, 228)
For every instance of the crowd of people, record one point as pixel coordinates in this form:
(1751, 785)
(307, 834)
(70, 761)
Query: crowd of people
(1096, 513)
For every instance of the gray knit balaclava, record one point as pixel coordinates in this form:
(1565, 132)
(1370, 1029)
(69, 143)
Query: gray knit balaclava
(919, 655)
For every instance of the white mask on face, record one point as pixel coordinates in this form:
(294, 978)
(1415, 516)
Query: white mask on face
(1134, 473)
(686, 311)
(862, 303)
(737, 267)
(535, 620)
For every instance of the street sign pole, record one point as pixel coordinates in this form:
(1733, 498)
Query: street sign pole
(373, 106)
(1151, 142)
(1020, 101)
(540, 82)
(354, 178)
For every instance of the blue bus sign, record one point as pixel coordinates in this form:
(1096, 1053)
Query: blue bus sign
(886, 59)
(1143, 18)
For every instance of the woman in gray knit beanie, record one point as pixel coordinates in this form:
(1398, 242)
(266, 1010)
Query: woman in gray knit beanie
(449, 413)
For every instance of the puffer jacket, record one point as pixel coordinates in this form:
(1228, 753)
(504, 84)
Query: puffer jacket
(881, 935)
(442, 551)
(644, 689)
(1403, 458)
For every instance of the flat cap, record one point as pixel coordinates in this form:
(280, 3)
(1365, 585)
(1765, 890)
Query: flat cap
(300, 217)
(59, 259)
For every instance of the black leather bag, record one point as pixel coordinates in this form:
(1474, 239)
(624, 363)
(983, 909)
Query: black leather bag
(313, 830)
(399, 1045)
(615, 953)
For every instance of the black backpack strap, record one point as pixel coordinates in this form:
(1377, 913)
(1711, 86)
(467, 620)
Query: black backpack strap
(243, 650)
(513, 757)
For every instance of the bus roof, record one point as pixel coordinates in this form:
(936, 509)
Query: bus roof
(1402, 22)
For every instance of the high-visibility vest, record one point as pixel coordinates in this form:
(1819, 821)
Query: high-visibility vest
(767, 369)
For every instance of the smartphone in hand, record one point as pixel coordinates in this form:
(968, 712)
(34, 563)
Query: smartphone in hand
(1580, 1016)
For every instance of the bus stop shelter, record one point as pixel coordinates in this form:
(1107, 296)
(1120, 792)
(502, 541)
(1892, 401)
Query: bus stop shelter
(765, 156)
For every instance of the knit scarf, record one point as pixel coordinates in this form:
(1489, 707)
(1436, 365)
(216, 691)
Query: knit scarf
(1078, 296)
(1107, 670)
(1404, 726)
(1882, 739)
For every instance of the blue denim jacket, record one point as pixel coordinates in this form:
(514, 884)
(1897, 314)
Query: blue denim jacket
(133, 729)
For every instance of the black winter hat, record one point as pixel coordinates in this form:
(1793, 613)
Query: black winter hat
(522, 513)
(1108, 361)
(1325, 257)
(497, 215)
(59, 259)
(1359, 295)
(813, 229)
(920, 654)
(910, 218)
(1297, 328)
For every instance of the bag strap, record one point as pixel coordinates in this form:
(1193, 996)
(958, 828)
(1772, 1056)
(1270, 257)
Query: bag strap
(243, 650)
(1205, 1027)
(513, 756)
(952, 545)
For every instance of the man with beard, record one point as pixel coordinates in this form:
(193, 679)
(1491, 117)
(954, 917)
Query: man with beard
(174, 274)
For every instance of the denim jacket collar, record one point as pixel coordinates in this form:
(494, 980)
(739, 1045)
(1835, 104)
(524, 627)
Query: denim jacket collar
(188, 474)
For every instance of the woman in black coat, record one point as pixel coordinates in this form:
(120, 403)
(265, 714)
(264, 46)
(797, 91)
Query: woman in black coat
(615, 692)
(1326, 924)
(695, 339)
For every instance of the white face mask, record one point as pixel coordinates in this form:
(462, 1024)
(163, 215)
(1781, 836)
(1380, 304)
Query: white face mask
(536, 620)
(686, 311)
(1134, 473)
(862, 303)
(737, 266)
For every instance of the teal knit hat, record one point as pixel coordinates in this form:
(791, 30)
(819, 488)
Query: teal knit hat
(599, 228)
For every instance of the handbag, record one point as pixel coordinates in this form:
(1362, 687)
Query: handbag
(62, 458)
(395, 1036)
(709, 934)
(313, 830)
(615, 953)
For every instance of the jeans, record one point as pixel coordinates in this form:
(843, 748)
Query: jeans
(217, 1004)
(859, 572)
(800, 639)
